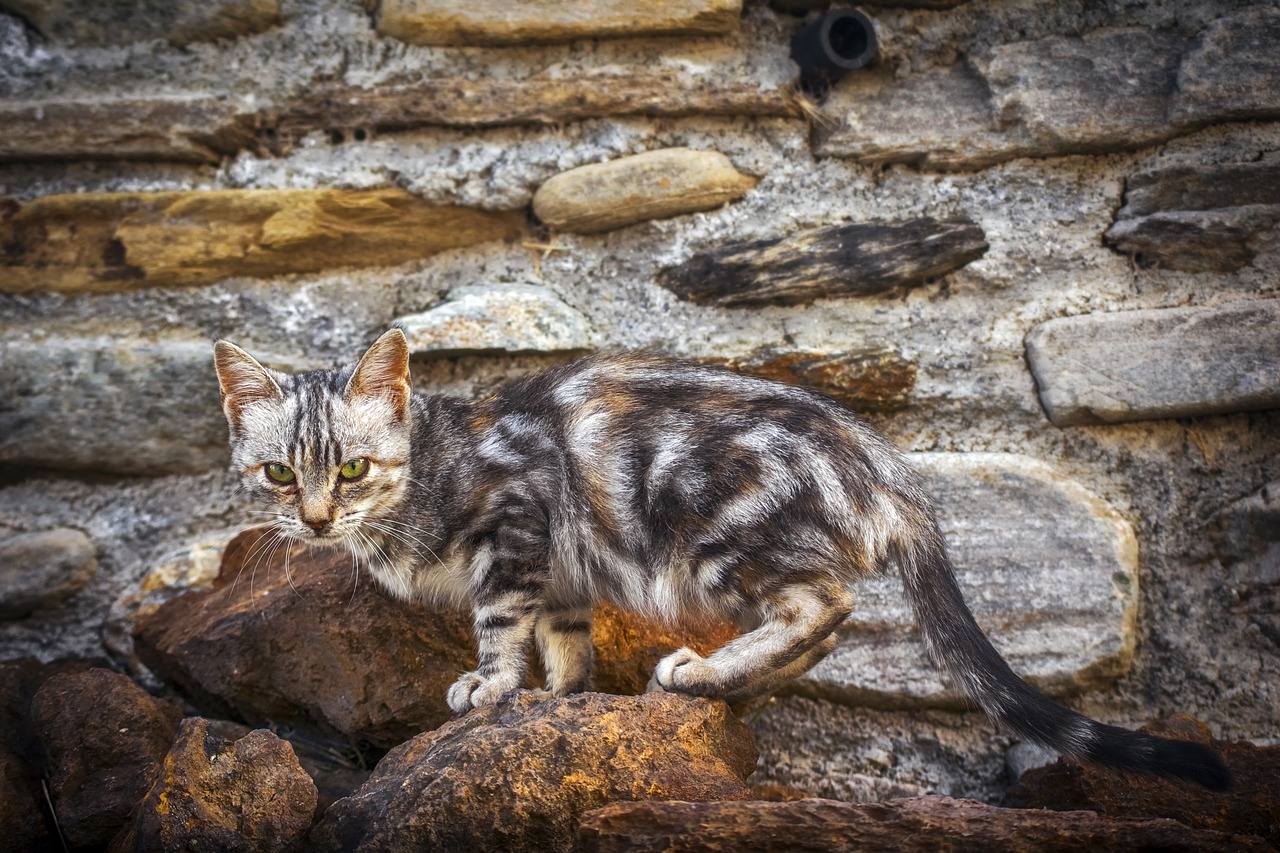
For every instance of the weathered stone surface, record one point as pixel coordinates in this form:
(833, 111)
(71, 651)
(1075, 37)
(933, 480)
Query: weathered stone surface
(183, 130)
(21, 816)
(104, 740)
(1252, 808)
(1200, 218)
(96, 403)
(213, 794)
(38, 569)
(876, 379)
(1246, 538)
(508, 318)
(492, 22)
(628, 647)
(859, 259)
(93, 242)
(93, 22)
(1062, 611)
(897, 826)
(1162, 363)
(20, 680)
(653, 185)
(516, 776)
(1108, 90)
(304, 638)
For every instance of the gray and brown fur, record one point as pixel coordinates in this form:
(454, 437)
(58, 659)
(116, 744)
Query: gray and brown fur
(669, 489)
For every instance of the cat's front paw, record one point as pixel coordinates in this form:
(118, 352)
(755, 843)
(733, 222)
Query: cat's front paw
(683, 671)
(473, 690)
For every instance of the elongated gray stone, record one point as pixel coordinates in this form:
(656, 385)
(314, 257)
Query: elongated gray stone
(1049, 570)
(39, 569)
(102, 22)
(91, 403)
(498, 318)
(1161, 363)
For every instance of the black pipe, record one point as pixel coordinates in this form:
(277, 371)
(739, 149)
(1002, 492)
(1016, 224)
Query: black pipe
(832, 46)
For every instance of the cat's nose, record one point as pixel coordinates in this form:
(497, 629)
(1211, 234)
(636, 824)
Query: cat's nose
(319, 526)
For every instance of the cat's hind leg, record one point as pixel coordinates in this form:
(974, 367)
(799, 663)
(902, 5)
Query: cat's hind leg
(771, 681)
(564, 643)
(796, 621)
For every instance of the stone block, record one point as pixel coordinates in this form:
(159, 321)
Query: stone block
(857, 259)
(1200, 218)
(1159, 363)
(93, 242)
(104, 22)
(492, 22)
(1049, 570)
(41, 569)
(875, 379)
(653, 185)
(510, 318)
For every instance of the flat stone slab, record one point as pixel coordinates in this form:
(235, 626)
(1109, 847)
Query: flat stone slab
(94, 242)
(1214, 218)
(92, 403)
(1049, 570)
(1160, 363)
(493, 22)
(101, 22)
(653, 185)
(878, 379)
(498, 318)
(39, 569)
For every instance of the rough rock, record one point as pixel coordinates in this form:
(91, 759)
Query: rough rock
(213, 794)
(95, 242)
(516, 776)
(491, 22)
(1252, 808)
(628, 647)
(510, 318)
(94, 402)
(857, 259)
(93, 22)
(1200, 218)
(20, 680)
(898, 826)
(1107, 90)
(1159, 363)
(21, 814)
(305, 639)
(1063, 613)
(875, 379)
(39, 569)
(1246, 538)
(104, 739)
(653, 185)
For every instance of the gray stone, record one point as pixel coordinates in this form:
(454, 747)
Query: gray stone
(39, 569)
(1162, 363)
(1028, 756)
(1200, 218)
(94, 403)
(102, 22)
(510, 318)
(1049, 570)
(1246, 538)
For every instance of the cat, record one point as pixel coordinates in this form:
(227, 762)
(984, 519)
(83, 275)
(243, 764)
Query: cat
(667, 488)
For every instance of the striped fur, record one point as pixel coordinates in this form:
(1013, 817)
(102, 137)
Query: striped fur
(670, 489)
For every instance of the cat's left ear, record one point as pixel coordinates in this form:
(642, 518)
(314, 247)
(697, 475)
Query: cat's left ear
(383, 372)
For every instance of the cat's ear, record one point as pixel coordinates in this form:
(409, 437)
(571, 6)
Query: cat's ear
(242, 381)
(383, 372)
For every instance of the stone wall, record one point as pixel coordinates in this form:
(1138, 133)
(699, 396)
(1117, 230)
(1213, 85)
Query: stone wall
(1037, 243)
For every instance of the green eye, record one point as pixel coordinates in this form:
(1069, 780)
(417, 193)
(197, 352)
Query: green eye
(353, 469)
(281, 474)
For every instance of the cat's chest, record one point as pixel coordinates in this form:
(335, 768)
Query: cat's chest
(443, 579)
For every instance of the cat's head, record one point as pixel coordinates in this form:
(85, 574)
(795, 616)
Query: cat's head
(327, 450)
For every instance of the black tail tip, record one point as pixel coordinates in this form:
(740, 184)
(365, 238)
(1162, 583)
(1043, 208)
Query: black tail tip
(1193, 762)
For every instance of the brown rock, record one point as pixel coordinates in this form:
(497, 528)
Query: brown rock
(876, 379)
(517, 775)
(22, 821)
(98, 22)
(1253, 807)
(925, 824)
(305, 638)
(858, 259)
(250, 795)
(104, 739)
(653, 185)
(94, 242)
(493, 22)
(20, 680)
(628, 647)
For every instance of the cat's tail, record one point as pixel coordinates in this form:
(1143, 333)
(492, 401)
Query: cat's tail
(958, 645)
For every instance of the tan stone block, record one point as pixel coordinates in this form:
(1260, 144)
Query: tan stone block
(94, 242)
(491, 22)
(652, 185)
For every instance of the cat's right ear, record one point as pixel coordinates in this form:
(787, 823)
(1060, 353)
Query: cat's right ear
(242, 381)
(383, 372)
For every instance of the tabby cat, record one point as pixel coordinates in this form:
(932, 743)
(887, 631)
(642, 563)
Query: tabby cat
(670, 489)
